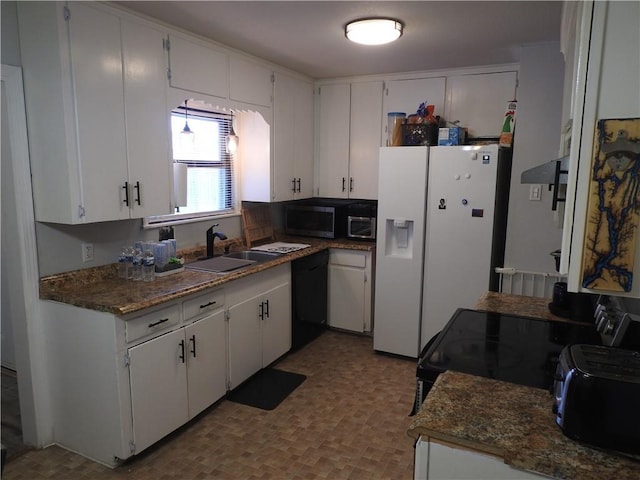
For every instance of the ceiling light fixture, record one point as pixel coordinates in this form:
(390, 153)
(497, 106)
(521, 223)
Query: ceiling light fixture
(373, 31)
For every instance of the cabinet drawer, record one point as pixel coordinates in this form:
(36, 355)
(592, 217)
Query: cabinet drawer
(203, 304)
(349, 259)
(152, 323)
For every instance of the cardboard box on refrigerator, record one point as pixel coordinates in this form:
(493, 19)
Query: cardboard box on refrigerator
(452, 136)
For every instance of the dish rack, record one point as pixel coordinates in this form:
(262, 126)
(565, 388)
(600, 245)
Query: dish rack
(256, 224)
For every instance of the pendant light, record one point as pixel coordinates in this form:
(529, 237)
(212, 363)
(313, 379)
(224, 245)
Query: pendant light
(373, 31)
(232, 139)
(186, 130)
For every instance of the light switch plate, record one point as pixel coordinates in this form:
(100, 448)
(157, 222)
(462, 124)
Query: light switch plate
(87, 252)
(535, 193)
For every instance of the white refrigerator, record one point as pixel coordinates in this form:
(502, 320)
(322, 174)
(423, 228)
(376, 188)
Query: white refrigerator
(441, 226)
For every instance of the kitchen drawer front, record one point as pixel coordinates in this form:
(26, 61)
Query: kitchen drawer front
(348, 259)
(203, 304)
(152, 323)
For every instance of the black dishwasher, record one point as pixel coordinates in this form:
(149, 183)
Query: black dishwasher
(309, 298)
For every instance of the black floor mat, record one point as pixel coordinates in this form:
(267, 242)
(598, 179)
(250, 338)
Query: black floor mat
(267, 388)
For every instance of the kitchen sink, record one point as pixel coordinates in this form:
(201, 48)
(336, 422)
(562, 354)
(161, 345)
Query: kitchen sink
(252, 255)
(219, 264)
(231, 261)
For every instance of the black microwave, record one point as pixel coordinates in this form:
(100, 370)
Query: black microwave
(316, 219)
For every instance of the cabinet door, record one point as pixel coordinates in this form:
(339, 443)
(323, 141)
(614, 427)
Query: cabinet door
(276, 323)
(158, 379)
(607, 79)
(145, 69)
(407, 95)
(96, 62)
(349, 296)
(364, 145)
(245, 340)
(346, 297)
(198, 68)
(284, 121)
(333, 140)
(207, 356)
(478, 102)
(250, 82)
(293, 138)
(303, 143)
(445, 462)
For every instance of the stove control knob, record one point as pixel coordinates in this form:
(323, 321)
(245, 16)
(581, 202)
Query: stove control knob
(601, 321)
(608, 328)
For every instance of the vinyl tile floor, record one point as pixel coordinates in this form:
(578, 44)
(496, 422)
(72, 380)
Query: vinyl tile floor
(347, 420)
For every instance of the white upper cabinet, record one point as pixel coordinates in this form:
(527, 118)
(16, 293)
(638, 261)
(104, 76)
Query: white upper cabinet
(407, 95)
(74, 99)
(602, 254)
(198, 67)
(97, 136)
(292, 138)
(349, 139)
(250, 82)
(96, 63)
(333, 140)
(364, 142)
(478, 102)
(570, 35)
(148, 153)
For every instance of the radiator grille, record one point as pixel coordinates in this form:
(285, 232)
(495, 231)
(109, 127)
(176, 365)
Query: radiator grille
(523, 282)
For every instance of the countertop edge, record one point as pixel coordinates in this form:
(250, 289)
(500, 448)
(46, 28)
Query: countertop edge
(90, 288)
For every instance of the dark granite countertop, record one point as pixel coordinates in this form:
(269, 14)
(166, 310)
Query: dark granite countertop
(100, 288)
(511, 421)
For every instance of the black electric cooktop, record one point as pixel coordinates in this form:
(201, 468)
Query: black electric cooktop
(510, 348)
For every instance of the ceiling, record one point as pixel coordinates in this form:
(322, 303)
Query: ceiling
(308, 36)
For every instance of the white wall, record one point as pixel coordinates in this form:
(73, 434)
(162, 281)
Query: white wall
(11, 287)
(531, 231)
(10, 43)
(60, 246)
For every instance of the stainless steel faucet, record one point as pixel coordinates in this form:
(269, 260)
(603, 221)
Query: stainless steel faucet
(211, 236)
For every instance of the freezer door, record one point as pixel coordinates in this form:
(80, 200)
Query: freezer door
(400, 249)
(460, 215)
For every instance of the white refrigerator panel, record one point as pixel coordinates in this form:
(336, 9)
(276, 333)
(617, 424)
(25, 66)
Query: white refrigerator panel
(460, 210)
(400, 249)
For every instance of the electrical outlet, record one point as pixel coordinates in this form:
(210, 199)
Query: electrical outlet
(87, 252)
(535, 193)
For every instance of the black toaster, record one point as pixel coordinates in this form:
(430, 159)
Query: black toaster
(597, 396)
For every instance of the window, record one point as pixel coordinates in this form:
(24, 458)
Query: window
(210, 173)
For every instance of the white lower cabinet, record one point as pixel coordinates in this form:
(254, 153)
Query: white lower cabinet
(350, 290)
(185, 368)
(436, 461)
(260, 326)
(245, 340)
(158, 388)
(276, 326)
(206, 345)
(120, 384)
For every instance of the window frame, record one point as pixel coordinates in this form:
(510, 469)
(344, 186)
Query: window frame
(231, 162)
